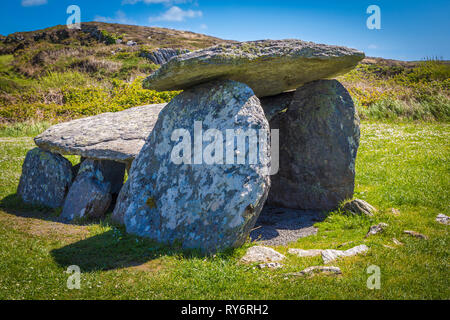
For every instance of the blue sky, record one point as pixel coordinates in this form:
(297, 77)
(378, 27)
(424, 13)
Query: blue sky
(410, 30)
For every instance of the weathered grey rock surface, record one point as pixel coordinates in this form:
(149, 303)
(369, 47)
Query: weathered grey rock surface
(46, 178)
(358, 207)
(117, 136)
(260, 254)
(269, 67)
(319, 139)
(162, 55)
(206, 206)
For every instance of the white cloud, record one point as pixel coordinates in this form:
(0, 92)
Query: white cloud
(120, 17)
(203, 26)
(31, 3)
(176, 14)
(373, 46)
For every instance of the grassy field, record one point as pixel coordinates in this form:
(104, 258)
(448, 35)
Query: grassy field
(403, 163)
(404, 166)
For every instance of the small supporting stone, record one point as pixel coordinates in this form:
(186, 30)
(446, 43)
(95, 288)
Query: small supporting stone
(107, 171)
(90, 194)
(319, 139)
(87, 197)
(46, 178)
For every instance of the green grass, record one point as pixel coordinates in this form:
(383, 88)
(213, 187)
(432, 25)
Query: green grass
(403, 166)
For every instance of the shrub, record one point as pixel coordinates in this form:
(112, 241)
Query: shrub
(93, 65)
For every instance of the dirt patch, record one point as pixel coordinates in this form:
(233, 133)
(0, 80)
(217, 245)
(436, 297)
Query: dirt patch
(280, 226)
(43, 228)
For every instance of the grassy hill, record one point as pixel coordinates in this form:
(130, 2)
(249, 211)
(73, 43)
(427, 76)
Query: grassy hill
(57, 74)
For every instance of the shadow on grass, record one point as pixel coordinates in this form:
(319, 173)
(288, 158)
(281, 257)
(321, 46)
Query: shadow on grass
(13, 204)
(114, 250)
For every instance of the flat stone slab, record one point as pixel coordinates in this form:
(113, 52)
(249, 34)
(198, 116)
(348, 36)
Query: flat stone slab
(269, 67)
(117, 136)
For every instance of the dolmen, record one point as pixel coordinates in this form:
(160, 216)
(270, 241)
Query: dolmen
(257, 122)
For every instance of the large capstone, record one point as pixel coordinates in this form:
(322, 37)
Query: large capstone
(319, 138)
(269, 67)
(204, 198)
(90, 194)
(46, 178)
(115, 136)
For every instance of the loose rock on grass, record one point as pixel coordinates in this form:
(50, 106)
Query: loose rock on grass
(330, 255)
(270, 265)
(358, 207)
(415, 234)
(305, 253)
(375, 229)
(262, 255)
(443, 219)
(316, 270)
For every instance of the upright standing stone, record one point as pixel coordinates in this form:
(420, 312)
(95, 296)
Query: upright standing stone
(319, 138)
(46, 178)
(173, 195)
